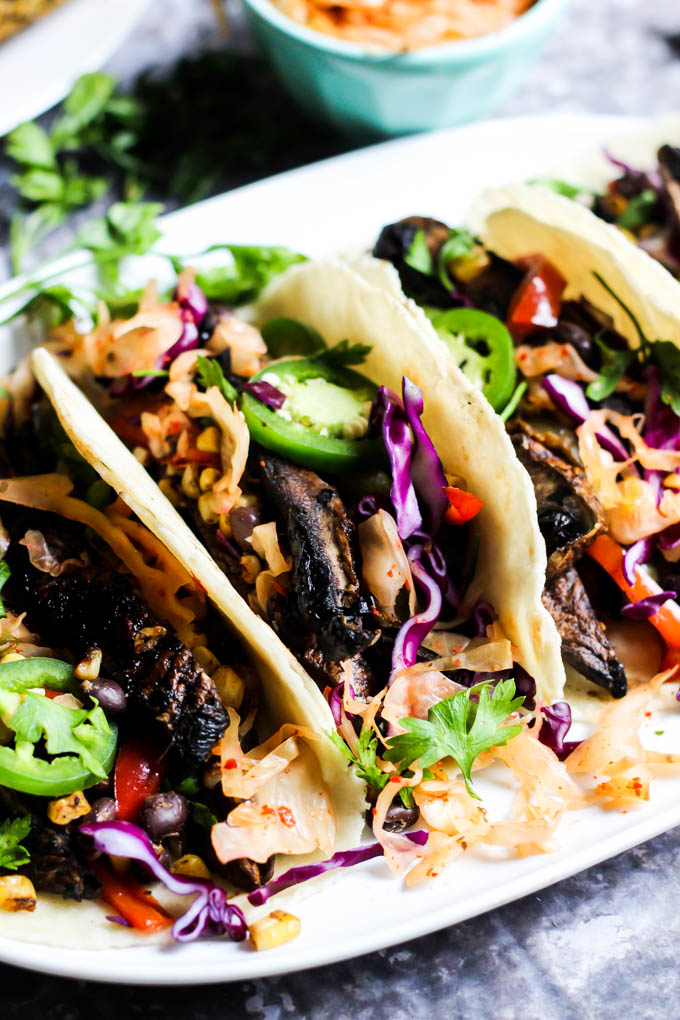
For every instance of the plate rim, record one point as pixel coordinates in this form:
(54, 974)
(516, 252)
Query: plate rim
(95, 965)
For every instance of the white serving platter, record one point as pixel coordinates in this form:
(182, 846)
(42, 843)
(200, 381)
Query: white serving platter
(39, 65)
(335, 205)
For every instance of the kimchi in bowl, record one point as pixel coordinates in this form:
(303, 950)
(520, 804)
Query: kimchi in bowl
(366, 88)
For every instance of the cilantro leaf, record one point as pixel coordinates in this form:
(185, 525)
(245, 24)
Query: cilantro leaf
(66, 730)
(251, 269)
(458, 728)
(85, 102)
(365, 757)
(209, 372)
(559, 187)
(418, 256)
(343, 354)
(639, 211)
(667, 357)
(621, 303)
(615, 364)
(30, 144)
(12, 854)
(4, 577)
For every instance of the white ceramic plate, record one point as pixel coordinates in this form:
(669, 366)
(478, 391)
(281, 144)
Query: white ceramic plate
(39, 65)
(334, 205)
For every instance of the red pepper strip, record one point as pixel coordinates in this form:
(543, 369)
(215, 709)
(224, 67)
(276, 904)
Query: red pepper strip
(129, 900)
(609, 554)
(463, 506)
(137, 776)
(536, 302)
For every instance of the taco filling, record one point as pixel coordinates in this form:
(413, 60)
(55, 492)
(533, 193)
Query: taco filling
(132, 721)
(594, 420)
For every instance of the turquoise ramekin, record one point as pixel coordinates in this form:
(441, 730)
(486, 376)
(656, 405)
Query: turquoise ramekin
(380, 95)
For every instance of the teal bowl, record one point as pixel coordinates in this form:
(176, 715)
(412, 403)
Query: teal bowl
(375, 94)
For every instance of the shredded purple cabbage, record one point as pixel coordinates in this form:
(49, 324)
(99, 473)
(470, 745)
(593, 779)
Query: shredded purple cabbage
(342, 859)
(210, 913)
(266, 393)
(644, 608)
(483, 614)
(122, 921)
(640, 552)
(367, 506)
(396, 434)
(555, 727)
(568, 397)
(228, 544)
(414, 631)
(195, 303)
(426, 471)
(188, 341)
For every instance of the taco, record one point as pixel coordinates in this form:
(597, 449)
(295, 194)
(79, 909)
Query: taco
(633, 183)
(137, 720)
(572, 333)
(370, 530)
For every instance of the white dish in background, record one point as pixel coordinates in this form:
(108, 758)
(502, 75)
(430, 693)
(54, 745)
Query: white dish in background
(39, 65)
(334, 205)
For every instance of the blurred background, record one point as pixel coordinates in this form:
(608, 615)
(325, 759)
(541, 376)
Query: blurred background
(211, 114)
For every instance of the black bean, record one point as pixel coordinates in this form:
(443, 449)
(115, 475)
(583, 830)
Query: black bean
(398, 817)
(102, 810)
(243, 519)
(164, 814)
(109, 694)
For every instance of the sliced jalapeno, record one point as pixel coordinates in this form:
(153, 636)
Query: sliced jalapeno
(326, 407)
(483, 349)
(39, 671)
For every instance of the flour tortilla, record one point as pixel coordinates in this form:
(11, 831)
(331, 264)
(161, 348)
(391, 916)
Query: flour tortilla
(471, 440)
(288, 694)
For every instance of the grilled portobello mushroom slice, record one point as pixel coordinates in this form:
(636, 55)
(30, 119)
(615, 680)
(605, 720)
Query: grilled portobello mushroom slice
(325, 597)
(95, 607)
(569, 514)
(584, 643)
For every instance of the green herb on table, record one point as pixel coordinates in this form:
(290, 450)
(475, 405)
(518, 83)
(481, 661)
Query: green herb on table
(247, 274)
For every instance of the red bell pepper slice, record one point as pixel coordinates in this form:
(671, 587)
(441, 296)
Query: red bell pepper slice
(137, 775)
(130, 900)
(536, 302)
(463, 506)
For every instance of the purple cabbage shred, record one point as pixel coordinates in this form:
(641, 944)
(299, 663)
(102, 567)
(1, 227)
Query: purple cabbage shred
(266, 393)
(569, 398)
(342, 859)
(388, 411)
(210, 913)
(555, 727)
(644, 608)
(427, 473)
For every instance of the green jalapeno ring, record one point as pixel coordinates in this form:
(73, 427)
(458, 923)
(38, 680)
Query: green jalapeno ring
(20, 770)
(38, 671)
(483, 349)
(296, 441)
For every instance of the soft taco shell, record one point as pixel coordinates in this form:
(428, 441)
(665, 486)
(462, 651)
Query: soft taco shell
(520, 220)
(471, 440)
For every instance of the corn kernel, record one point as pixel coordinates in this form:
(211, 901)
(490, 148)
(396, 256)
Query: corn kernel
(225, 526)
(208, 477)
(191, 865)
(205, 509)
(229, 686)
(88, 668)
(66, 809)
(467, 267)
(274, 930)
(246, 499)
(190, 481)
(209, 440)
(12, 657)
(17, 893)
(204, 657)
(250, 568)
(142, 455)
(169, 491)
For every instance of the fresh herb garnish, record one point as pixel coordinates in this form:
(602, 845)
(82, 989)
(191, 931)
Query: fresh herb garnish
(343, 354)
(12, 854)
(615, 364)
(418, 256)
(209, 372)
(155, 373)
(639, 210)
(365, 757)
(514, 400)
(458, 728)
(560, 187)
(244, 279)
(4, 577)
(284, 337)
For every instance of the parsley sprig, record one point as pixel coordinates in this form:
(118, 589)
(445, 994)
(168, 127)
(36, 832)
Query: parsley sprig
(458, 727)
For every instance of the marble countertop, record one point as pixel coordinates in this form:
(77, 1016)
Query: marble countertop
(600, 943)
